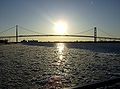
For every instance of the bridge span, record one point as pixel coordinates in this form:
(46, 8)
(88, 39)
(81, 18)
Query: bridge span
(60, 36)
(94, 36)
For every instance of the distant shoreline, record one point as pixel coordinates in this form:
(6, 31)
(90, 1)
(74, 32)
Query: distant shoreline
(72, 42)
(64, 42)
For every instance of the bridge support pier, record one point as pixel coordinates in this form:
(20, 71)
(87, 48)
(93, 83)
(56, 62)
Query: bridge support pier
(16, 33)
(95, 34)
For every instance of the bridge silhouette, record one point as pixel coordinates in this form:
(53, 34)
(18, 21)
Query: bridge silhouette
(94, 36)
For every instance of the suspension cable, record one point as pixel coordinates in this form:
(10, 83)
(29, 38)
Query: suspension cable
(7, 30)
(84, 31)
(29, 30)
(105, 32)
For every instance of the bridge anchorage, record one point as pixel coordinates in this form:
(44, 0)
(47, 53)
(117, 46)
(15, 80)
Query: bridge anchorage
(94, 36)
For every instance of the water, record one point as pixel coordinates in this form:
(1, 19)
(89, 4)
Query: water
(57, 65)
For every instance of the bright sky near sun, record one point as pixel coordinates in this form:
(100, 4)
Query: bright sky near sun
(61, 16)
(60, 27)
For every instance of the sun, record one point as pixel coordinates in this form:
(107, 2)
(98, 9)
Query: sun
(60, 27)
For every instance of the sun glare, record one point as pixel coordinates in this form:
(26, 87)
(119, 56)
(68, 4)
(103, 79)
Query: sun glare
(60, 27)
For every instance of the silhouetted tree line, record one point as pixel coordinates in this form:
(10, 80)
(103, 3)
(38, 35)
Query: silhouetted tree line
(4, 41)
(29, 41)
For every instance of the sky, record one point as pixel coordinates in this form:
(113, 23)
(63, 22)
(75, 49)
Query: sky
(80, 15)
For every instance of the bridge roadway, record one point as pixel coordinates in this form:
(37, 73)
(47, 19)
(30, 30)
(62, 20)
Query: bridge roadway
(87, 36)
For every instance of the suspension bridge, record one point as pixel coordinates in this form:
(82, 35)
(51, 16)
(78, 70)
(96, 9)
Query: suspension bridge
(17, 36)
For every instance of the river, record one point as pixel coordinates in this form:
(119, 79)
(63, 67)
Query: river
(58, 65)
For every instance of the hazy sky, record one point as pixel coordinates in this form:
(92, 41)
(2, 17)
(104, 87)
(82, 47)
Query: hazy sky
(80, 15)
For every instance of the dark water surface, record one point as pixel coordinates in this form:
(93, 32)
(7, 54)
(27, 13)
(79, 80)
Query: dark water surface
(57, 65)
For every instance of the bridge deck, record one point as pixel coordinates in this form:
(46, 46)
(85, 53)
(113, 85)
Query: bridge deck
(60, 36)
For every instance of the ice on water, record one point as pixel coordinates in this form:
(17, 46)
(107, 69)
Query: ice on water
(33, 67)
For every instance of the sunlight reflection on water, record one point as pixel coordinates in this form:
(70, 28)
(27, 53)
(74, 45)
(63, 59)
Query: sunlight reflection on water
(60, 48)
(61, 53)
(55, 81)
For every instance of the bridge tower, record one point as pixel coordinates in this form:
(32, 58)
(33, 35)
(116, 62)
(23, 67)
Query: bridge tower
(16, 33)
(95, 34)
